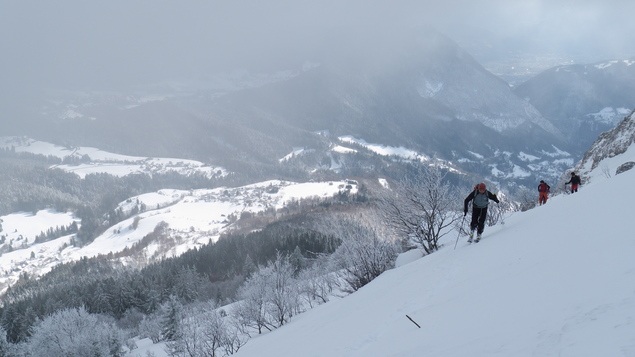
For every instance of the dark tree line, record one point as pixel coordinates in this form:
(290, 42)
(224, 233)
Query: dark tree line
(58, 232)
(100, 285)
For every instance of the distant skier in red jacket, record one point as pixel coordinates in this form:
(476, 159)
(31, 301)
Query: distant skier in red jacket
(543, 192)
(575, 182)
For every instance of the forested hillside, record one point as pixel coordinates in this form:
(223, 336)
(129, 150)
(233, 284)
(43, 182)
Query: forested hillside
(213, 272)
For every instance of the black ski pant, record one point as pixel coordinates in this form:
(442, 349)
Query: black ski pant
(478, 219)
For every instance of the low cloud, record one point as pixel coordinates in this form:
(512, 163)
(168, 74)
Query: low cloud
(117, 43)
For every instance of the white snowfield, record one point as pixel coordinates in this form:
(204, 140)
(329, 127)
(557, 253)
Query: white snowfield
(199, 216)
(107, 162)
(558, 280)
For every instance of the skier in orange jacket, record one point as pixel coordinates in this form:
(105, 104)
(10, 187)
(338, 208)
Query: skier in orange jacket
(543, 192)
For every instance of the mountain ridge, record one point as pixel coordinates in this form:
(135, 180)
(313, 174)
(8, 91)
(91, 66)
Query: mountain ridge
(415, 88)
(583, 100)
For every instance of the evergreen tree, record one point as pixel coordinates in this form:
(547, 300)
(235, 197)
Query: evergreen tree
(4, 344)
(297, 261)
(249, 267)
(172, 315)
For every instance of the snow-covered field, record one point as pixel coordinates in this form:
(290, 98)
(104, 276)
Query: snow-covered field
(106, 162)
(196, 217)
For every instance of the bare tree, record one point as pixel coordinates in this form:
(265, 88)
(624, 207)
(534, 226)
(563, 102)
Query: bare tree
(317, 282)
(496, 213)
(363, 255)
(527, 198)
(75, 333)
(283, 295)
(270, 297)
(250, 311)
(205, 332)
(421, 209)
(150, 327)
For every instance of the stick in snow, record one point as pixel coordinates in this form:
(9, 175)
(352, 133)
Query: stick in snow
(413, 321)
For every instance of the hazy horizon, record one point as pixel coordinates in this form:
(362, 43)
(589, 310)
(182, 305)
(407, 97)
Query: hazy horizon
(75, 44)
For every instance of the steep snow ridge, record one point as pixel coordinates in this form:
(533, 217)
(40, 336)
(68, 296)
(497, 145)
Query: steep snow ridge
(555, 280)
(610, 144)
(110, 163)
(193, 218)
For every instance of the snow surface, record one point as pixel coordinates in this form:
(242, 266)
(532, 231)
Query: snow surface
(558, 280)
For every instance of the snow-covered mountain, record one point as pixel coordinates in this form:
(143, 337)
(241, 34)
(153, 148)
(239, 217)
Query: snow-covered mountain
(607, 150)
(583, 100)
(414, 88)
(420, 91)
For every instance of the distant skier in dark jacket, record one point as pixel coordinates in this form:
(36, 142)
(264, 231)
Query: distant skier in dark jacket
(575, 182)
(543, 192)
(480, 200)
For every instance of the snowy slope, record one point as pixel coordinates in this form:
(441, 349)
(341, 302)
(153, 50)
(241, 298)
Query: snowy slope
(193, 218)
(557, 280)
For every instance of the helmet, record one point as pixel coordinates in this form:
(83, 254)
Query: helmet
(573, 174)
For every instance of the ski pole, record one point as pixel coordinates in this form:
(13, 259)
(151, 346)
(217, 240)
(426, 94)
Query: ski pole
(461, 227)
(413, 321)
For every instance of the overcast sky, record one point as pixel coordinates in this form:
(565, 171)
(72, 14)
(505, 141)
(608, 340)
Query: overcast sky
(96, 44)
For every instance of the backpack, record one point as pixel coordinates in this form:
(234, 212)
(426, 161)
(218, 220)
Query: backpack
(480, 200)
